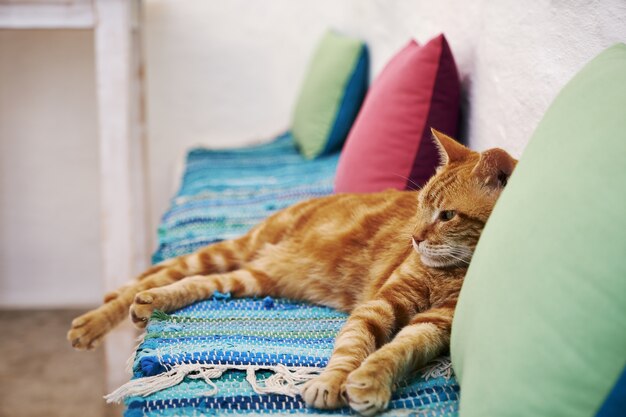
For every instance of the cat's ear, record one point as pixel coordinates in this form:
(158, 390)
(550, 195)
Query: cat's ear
(494, 167)
(449, 149)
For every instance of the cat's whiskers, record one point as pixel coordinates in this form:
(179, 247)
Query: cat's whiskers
(457, 258)
(447, 251)
(419, 187)
(464, 252)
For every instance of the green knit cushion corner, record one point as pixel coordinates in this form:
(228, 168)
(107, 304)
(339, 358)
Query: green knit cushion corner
(331, 95)
(540, 328)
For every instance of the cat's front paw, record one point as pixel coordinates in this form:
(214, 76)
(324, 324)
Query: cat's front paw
(367, 391)
(325, 391)
(88, 330)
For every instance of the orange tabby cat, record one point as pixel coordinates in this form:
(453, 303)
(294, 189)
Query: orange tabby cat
(395, 260)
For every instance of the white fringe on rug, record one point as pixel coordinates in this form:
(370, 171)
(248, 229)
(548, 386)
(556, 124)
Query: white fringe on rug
(130, 362)
(438, 368)
(286, 381)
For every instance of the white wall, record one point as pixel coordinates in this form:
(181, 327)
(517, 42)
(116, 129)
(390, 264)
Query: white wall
(49, 196)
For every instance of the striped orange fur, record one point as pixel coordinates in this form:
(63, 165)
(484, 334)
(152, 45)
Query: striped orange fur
(394, 260)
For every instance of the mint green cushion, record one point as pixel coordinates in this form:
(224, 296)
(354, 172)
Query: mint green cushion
(540, 328)
(331, 95)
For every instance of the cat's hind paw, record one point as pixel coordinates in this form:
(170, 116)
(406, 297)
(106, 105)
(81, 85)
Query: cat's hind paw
(147, 301)
(88, 330)
(367, 392)
(325, 391)
(142, 308)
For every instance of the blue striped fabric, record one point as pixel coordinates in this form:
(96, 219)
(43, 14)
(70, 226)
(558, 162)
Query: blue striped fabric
(223, 194)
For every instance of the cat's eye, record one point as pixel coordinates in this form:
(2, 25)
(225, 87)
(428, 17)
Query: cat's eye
(446, 215)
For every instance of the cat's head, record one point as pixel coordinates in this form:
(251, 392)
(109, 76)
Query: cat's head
(456, 202)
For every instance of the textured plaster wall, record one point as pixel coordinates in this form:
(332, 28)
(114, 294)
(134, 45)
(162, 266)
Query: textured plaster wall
(524, 54)
(227, 73)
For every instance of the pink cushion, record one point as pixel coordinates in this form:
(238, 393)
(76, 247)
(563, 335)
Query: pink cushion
(390, 144)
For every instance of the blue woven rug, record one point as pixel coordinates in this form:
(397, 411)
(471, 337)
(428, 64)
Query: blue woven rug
(225, 193)
(248, 356)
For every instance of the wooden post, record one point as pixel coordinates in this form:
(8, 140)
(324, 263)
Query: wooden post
(121, 119)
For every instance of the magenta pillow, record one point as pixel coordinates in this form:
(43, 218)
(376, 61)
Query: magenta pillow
(390, 143)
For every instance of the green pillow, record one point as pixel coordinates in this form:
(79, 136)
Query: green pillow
(331, 95)
(540, 328)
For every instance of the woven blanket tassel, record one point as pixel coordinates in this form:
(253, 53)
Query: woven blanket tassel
(151, 384)
(438, 368)
(284, 381)
(130, 362)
